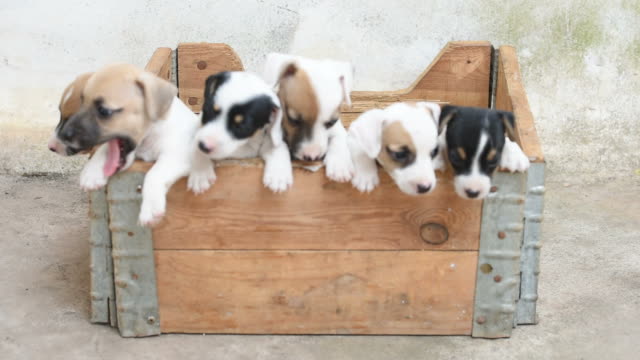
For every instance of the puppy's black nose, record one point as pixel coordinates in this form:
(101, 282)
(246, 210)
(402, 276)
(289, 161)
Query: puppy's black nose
(472, 194)
(203, 147)
(307, 158)
(52, 149)
(423, 189)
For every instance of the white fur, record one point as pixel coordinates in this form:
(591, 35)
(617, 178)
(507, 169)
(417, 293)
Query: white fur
(267, 143)
(332, 82)
(365, 144)
(167, 142)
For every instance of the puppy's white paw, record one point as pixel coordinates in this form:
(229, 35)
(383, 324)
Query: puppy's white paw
(92, 179)
(339, 167)
(365, 181)
(513, 158)
(152, 210)
(200, 181)
(277, 179)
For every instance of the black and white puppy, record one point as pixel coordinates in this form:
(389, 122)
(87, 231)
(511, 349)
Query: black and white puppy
(241, 118)
(474, 141)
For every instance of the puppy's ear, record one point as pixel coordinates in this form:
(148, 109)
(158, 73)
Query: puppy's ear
(70, 100)
(158, 94)
(276, 125)
(432, 108)
(447, 114)
(277, 66)
(509, 122)
(366, 130)
(345, 76)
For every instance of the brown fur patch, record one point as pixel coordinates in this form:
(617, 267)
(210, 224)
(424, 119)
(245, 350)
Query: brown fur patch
(298, 96)
(462, 153)
(492, 154)
(70, 101)
(395, 137)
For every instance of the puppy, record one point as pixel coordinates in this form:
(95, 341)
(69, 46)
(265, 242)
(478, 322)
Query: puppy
(241, 118)
(129, 113)
(311, 93)
(403, 138)
(474, 141)
(69, 105)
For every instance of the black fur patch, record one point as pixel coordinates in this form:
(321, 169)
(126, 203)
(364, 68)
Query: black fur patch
(254, 114)
(211, 86)
(464, 130)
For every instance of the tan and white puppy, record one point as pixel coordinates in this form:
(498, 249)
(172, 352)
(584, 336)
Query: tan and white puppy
(130, 113)
(403, 138)
(69, 105)
(311, 92)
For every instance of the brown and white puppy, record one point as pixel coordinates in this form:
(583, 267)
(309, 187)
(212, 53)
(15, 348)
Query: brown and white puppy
(69, 105)
(130, 113)
(311, 92)
(403, 138)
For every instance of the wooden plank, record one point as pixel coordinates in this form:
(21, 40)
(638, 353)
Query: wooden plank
(133, 260)
(498, 275)
(196, 61)
(316, 213)
(316, 292)
(511, 96)
(160, 63)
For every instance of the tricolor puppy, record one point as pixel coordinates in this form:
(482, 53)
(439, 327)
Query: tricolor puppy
(69, 105)
(311, 93)
(403, 138)
(475, 144)
(129, 113)
(241, 118)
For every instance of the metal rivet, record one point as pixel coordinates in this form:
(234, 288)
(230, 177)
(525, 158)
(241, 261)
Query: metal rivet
(139, 188)
(193, 101)
(434, 233)
(130, 233)
(486, 268)
(202, 65)
(481, 320)
(494, 189)
(502, 235)
(497, 278)
(151, 320)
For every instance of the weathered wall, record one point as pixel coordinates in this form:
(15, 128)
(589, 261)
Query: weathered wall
(580, 59)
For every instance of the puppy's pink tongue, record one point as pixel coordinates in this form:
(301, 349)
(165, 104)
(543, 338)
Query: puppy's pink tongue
(113, 158)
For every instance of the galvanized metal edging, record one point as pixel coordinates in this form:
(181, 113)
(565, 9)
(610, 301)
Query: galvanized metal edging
(133, 261)
(498, 273)
(530, 259)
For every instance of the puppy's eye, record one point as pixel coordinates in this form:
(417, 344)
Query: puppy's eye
(434, 152)
(295, 121)
(330, 123)
(103, 111)
(399, 155)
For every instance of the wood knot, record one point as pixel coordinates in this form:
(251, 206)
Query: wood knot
(201, 65)
(434, 233)
(193, 100)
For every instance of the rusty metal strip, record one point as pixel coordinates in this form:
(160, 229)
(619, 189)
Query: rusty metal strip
(498, 274)
(133, 262)
(530, 261)
(102, 293)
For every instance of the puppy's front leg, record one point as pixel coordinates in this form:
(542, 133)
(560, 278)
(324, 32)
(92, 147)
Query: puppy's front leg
(513, 158)
(202, 174)
(164, 173)
(278, 174)
(366, 177)
(92, 176)
(338, 161)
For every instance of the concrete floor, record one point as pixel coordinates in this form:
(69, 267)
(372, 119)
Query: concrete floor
(589, 294)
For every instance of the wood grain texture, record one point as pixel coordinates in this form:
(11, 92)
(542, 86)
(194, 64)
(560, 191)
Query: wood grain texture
(511, 96)
(239, 213)
(196, 61)
(316, 292)
(160, 63)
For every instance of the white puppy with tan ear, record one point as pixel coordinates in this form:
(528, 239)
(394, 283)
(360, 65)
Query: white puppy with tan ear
(403, 138)
(311, 92)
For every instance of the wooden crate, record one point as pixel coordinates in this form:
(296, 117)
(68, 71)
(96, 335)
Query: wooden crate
(323, 258)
